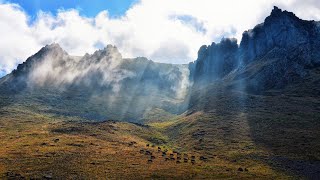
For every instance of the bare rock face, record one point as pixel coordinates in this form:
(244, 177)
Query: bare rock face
(215, 61)
(273, 54)
(281, 30)
(288, 45)
(52, 51)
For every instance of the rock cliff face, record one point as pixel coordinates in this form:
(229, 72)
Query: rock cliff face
(216, 61)
(273, 54)
(281, 30)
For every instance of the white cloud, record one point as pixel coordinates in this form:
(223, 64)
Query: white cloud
(163, 30)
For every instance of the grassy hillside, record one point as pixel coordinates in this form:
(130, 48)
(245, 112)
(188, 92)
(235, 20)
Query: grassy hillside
(75, 133)
(237, 135)
(44, 145)
(279, 128)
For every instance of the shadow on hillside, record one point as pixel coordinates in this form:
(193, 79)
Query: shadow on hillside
(287, 124)
(11, 87)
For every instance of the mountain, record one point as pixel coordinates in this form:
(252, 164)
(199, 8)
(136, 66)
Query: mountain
(273, 54)
(245, 111)
(107, 85)
(215, 61)
(269, 100)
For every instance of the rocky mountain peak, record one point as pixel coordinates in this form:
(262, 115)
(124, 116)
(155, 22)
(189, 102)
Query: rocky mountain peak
(110, 52)
(281, 16)
(283, 30)
(54, 48)
(53, 52)
(276, 10)
(292, 44)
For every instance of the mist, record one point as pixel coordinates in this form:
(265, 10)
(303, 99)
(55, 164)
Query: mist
(110, 86)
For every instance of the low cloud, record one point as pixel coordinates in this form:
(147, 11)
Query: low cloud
(56, 68)
(162, 30)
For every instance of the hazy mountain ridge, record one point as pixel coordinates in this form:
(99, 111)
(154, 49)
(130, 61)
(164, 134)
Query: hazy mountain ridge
(124, 88)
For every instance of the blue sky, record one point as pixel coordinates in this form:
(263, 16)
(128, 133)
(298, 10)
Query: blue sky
(2, 73)
(88, 8)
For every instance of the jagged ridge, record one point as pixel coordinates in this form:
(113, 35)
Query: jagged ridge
(289, 44)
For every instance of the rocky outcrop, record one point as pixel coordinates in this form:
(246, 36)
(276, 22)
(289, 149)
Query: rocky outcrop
(281, 30)
(271, 55)
(278, 52)
(215, 61)
(53, 51)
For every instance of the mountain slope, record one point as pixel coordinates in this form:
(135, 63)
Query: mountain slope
(266, 107)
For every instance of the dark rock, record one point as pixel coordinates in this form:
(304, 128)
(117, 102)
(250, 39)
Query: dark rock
(215, 61)
(202, 158)
(148, 152)
(75, 144)
(47, 176)
(12, 175)
(198, 134)
(284, 45)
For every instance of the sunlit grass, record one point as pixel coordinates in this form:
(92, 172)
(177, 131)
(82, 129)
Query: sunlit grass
(89, 150)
